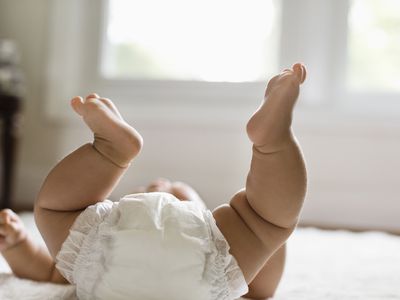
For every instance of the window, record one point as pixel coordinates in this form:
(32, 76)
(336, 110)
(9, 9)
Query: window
(374, 45)
(183, 56)
(225, 40)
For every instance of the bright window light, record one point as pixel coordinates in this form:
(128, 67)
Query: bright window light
(208, 40)
(374, 45)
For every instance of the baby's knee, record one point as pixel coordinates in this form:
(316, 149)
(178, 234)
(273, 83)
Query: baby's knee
(270, 234)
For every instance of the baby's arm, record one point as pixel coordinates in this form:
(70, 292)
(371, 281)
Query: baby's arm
(25, 258)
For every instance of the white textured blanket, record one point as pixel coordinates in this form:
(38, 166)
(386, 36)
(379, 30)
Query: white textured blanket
(328, 265)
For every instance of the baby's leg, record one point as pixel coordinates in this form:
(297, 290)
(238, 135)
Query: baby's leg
(276, 183)
(88, 174)
(264, 285)
(260, 218)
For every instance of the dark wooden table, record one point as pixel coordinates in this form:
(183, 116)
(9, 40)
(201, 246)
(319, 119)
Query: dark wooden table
(9, 110)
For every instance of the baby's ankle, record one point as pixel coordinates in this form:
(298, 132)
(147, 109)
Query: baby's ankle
(275, 146)
(121, 158)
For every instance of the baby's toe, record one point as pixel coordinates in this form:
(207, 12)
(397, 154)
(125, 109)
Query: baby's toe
(300, 72)
(77, 105)
(93, 95)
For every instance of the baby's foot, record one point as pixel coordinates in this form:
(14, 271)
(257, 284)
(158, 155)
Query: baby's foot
(270, 126)
(113, 137)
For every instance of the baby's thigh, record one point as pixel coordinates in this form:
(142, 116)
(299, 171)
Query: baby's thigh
(252, 239)
(54, 226)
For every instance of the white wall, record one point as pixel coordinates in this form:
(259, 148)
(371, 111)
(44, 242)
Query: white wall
(352, 161)
(26, 22)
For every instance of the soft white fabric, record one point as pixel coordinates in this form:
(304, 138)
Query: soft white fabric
(149, 246)
(14, 288)
(321, 264)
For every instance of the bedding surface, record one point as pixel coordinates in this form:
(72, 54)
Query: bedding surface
(320, 265)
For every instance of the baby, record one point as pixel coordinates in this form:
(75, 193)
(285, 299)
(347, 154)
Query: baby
(150, 245)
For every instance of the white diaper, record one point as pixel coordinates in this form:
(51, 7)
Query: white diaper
(149, 246)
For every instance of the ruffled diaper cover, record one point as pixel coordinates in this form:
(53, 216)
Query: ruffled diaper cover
(149, 246)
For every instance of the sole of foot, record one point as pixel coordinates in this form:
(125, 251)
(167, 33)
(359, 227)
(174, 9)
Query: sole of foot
(114, 138)
(269, 128)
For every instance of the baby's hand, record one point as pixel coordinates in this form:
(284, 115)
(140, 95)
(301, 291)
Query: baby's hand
(12, 230)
